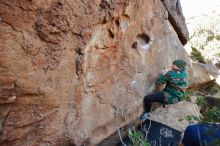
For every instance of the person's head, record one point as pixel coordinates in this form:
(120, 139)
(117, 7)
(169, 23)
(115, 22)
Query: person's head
(179, 64)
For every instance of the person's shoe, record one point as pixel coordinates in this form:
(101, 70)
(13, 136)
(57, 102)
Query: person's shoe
(144, 116)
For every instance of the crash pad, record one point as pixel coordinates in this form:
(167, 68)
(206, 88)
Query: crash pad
(158, 134)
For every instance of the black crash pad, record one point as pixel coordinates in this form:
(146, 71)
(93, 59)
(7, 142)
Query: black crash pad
(158, 135)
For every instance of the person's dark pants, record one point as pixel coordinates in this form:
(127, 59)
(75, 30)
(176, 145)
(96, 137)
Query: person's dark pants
(156, 97)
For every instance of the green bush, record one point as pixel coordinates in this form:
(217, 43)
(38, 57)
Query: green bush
(137, 138)
(210, 38)
(202, 102)
(196, 55)
(217, 37)
(212, 115)
(187, 95)
(192, 118)
(215, 89)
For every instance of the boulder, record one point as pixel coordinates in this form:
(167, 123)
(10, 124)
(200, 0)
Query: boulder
(199, 74)
(177, 19)
(72, 72)
(175, 115)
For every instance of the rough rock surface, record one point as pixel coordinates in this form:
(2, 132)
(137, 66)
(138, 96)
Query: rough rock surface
(201, 73)
(177, 19)
(73, 71)
(175, 115)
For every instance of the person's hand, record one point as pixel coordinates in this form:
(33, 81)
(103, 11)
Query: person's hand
(164, 71)
(160, 87)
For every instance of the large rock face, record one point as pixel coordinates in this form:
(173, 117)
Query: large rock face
(73, 71)
(177, 19)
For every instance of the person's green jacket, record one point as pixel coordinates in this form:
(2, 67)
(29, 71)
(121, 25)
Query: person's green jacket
(176, 82)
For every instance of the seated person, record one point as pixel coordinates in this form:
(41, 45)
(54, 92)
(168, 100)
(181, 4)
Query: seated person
(203, 134)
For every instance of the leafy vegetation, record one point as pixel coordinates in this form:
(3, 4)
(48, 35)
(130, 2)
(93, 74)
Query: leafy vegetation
(217, 37)
(187, 95)
(197, 56)
(205, 37)
(212, 115)
(210, 38)
(202, 102)
(192, 118)
(215, 89)
(211, 89)
(137, 138)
